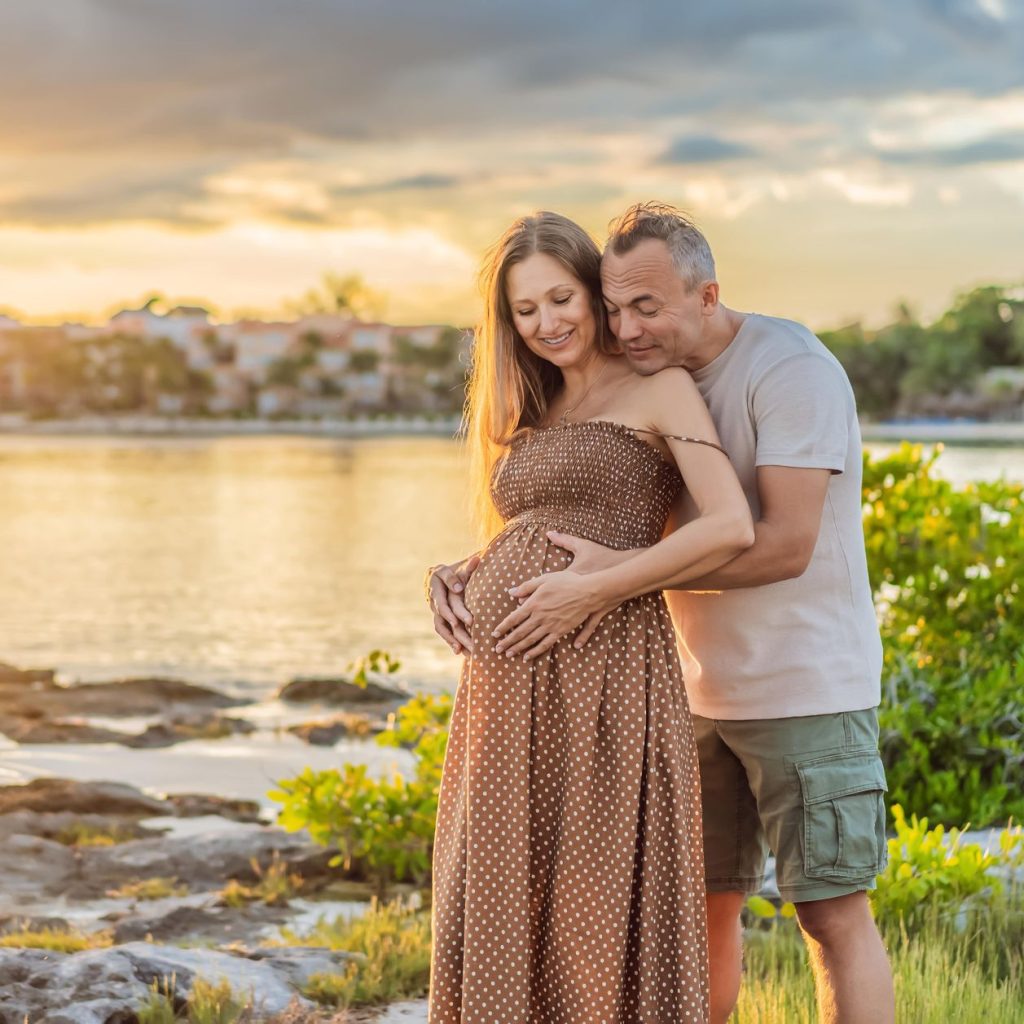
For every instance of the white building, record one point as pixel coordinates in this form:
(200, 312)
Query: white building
(372, 338)
(258, 344)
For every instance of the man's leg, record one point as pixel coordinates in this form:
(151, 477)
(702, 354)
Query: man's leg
(851, 969)
(734, 857)
(820, 791)
(725, 950)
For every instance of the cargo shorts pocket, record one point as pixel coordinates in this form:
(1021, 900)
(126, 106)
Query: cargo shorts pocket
(844, 815)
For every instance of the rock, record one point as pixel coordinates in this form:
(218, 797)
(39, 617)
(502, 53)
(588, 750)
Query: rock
(219, 924)
(120, 698)
(207, 860)
(411, 1012)
(193, 727)
(36, 677)
(31, 867)
(105, 986)
(299, 963)
(327, 733)
(33, 729)
(197, 805)
(23, 922)
(338, 691)
(51, 825)
(52, 794)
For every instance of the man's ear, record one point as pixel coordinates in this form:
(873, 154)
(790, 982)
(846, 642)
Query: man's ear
(709, 297)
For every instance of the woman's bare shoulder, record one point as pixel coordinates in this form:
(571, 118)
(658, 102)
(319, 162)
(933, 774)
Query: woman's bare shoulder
(672, 382)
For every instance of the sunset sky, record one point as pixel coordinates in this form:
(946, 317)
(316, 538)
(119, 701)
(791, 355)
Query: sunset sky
(840, 157)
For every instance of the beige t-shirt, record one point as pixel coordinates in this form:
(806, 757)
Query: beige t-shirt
(805, 646)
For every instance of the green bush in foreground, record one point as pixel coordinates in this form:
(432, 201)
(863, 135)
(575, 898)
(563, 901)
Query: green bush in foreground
(382, 828)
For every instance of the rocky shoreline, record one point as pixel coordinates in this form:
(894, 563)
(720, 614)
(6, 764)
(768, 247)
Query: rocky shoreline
(160, 884)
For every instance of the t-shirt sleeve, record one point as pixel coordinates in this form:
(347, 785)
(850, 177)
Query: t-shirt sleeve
(801, 409)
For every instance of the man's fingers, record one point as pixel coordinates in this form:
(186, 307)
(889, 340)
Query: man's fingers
(588, 630)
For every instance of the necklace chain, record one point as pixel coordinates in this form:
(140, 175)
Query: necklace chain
(590, 387)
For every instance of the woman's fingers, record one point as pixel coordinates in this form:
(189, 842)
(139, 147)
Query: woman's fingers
(529, 638)
(458, 607)
(513, 619)
(588, 630)
(545, 645)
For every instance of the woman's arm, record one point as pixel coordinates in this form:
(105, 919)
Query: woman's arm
(556, 603)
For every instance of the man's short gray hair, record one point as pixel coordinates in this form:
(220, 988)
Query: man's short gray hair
(688, 247)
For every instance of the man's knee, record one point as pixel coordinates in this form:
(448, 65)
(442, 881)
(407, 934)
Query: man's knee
(834, 921)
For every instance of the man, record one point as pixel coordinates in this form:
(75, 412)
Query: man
(780, 647)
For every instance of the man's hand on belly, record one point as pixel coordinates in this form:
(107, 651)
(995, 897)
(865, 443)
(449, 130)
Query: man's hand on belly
(551, 606)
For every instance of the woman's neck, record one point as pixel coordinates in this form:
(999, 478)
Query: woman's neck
(577, 378)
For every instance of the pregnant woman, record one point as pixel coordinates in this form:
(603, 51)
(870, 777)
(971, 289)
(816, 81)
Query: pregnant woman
(568, 874)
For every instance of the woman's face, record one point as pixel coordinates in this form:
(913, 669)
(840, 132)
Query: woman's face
(551, 310)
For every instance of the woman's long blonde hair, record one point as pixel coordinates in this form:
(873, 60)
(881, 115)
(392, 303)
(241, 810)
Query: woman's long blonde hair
(510, 388)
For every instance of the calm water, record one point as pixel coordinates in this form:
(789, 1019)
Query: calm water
(241, 561)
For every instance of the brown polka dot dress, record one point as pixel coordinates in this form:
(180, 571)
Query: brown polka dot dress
(568, 865)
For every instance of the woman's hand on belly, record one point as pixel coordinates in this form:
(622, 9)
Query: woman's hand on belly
(446, 585)
(550, 606)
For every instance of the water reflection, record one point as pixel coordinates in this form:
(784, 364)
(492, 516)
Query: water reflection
(241, 561)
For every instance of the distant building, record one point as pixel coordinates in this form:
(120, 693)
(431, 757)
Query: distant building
(231, 390)
(372, 338)
(278, 401)
(257, 345)
(140, 323)
(178, 325)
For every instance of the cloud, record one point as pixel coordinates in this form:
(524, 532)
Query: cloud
(704, 149)
(991, 150)
(396, 108)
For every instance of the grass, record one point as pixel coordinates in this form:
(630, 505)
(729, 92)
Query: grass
(275, 885)
(970, 971)
(56, 940)
(149, 889)
(392, 943)
(206, 1004)
(81, 834)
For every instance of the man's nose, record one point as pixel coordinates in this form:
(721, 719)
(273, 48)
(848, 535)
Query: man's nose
(628, 328)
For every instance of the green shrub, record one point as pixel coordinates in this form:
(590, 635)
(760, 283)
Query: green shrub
(945, 562)
(935, 871)
(383, 828)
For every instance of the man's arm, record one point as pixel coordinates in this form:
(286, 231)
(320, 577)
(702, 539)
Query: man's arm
(785, 534)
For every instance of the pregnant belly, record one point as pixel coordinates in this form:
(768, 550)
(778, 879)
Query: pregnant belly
(515, 557)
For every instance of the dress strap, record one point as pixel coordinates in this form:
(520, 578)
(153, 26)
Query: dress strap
(679, 437)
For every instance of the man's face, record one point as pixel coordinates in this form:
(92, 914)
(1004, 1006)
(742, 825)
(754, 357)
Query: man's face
(658, 320)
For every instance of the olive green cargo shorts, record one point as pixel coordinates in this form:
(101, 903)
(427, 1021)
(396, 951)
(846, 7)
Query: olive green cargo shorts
(812, 790)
